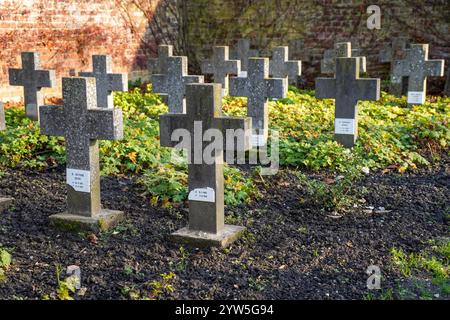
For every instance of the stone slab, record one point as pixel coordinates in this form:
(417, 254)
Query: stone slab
(105, 220)
(201, 239)
(5, 203)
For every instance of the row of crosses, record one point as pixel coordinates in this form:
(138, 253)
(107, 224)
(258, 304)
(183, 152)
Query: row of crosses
(88, 115)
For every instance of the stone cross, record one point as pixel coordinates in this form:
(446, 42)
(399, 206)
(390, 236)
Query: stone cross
(347, 88)
(206, 184)
(447, 83)
(258, 87)
(280, 66)
(173, 84)
(221, 67)
(159, 65)
(243, 52)
(341, 50)
(82, 124)
(4, 202)
(32, 78)
(417, 68)
(299, 51)
(391, 54)
(2, 117)
(106, 81)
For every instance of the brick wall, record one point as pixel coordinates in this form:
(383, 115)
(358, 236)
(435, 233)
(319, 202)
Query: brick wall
(67, 33)
(318, 23)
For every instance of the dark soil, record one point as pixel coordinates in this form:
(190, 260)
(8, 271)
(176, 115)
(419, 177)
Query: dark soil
(291, 251)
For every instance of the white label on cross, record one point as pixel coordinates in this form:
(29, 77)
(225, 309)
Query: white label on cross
(258, 140)
(224, 92)
(344, 126)
(203, 194)
(416, 97)
(80, 180)
(243, 74)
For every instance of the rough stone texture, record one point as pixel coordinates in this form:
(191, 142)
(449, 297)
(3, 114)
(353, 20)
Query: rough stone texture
(200, 239)
(106, 81)
(103, 221)
(417, 68)
(82, 124)
(243, 52)
(220, 66)
(341, 50)
(5, 203)
(447, 83)
(159, 65)
(258, 87)
(280, 66)
(347, 88)
(32, 78)
(2, 117)
(173, 84)
(392, 53)
(204, 106)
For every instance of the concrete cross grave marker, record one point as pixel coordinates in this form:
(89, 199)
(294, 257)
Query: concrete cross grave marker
(347, 88)
(243, 52)
(392, 53)
(105, 80)
(299, 51)
(447, 83)
(258, 87)
(4, 201)
(280, 66)
(32, 78)
(220, 66)
(159, 65)
(341, 50)
(417, 68)
(82, 124)
(206, 184)
(173, 84)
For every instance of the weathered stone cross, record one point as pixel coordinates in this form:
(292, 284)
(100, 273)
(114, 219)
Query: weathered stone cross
(243, 52)
(391, 54)
(106, 81)
(4, 202)
(258, 87)
(32, 78)
(347, 88)
(82, 124)
(417, 68)
(221, 67)
(280, 66)
(447, 83)
(341, 50)
(206, 184)
(173, 84)
(159, 65)
(2, 117)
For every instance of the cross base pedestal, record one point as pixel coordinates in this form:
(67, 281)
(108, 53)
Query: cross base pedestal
(107, 219)
(201, 239)
(5, 203)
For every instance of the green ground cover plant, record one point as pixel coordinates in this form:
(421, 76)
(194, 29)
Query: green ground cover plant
(391, 135)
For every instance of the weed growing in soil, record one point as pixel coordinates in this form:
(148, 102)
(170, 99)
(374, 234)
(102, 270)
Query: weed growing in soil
(66, 288)
(436, 264)
(5, 262)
